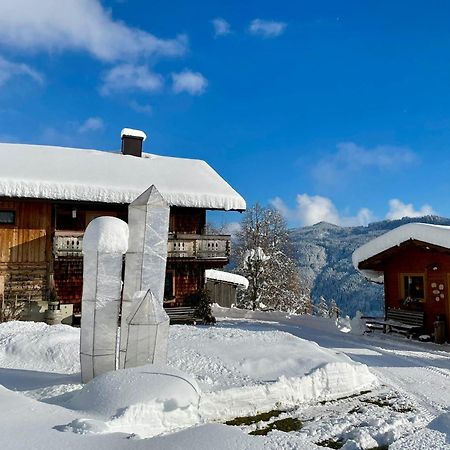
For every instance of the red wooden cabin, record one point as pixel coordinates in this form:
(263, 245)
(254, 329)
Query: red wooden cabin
(413, 261)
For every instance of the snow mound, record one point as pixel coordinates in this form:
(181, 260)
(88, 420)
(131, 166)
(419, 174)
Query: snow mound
(111, 392)
(146, 400)
(106, 235)
(358, 324)
(330, 382)
(39, 347)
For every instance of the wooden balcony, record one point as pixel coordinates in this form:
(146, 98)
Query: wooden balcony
(199, 246)
(180, 246)
(68, 243)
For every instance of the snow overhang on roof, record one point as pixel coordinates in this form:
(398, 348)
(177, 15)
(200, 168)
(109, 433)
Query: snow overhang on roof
(227, 277)
(59, 173)
(438, 235)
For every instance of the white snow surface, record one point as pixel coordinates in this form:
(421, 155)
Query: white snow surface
(433, 234)
(239, 372)
(106, 235)
(250, 362)
(60, 173)
(220, 275)
(133, 133)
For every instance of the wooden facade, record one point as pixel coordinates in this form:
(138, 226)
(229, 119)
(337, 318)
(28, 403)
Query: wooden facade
(25, 249)
(44, 243)
(416, 278)
(222, 293)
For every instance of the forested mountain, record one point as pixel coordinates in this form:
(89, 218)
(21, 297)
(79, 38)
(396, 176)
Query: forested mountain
(324, 251)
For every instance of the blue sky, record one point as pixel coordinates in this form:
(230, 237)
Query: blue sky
(329, 110)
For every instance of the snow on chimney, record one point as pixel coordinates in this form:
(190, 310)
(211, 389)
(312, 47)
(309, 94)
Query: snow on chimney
(132, 141)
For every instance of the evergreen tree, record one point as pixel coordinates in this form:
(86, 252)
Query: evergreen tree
(323, 309)
(202, 302)
(334, 310)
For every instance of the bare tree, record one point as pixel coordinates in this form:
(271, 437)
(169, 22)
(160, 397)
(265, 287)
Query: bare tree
(263, 259)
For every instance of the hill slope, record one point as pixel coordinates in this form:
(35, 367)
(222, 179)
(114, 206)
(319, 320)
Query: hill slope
(324, 251)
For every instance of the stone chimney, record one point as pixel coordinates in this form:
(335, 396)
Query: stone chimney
(132, 141)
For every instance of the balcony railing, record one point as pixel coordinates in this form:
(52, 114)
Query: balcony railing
(198, 246)
(186, 246)
(68, 243)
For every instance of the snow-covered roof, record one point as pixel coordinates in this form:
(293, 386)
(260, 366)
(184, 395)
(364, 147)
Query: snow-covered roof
(60, 173)
(438, 235)
(219, 275)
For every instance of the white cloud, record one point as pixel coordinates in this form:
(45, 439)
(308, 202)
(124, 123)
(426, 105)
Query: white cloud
(266, 28)
(232, 228)
(141, 108)
(312, 209)
(193, 83)
(125, 77)
(91, 124)
(221, 27)
(10, 70)
(80, 25)
(398, 210)
(351, 158)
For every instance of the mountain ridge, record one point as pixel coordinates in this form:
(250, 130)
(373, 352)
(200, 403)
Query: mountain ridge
(323, 252)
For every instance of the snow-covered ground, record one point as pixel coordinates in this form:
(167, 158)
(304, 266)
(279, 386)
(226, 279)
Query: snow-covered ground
(297, 367)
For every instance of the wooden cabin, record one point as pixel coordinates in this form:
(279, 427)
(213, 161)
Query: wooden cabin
(223, 286)
(413, 262)
(48, 195)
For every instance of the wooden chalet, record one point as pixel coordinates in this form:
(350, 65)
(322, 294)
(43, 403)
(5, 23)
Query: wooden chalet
(48, 195)
(413, 261)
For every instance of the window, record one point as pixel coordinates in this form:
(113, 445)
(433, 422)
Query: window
(413, 287)
(7, 217)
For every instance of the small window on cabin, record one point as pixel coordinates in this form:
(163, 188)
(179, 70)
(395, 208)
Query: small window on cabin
(413, 287)
(7, 217)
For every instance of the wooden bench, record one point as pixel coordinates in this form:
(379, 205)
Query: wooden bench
(182, 314)
(399, 320)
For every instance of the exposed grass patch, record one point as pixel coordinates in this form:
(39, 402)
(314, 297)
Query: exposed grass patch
(250, 420)
(286, 425)
(386, 403)
(329, 443)
(324, 402)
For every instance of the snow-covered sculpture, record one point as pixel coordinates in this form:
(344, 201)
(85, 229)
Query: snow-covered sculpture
(145, 270)
(104, 244)
(147, 332)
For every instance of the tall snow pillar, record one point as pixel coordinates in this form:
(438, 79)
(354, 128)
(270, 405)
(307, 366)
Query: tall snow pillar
(104, 244)
(145, 267)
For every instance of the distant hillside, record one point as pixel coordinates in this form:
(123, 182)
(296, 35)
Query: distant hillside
(324, 251)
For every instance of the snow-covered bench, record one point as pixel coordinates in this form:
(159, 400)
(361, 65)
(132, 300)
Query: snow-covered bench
(182, 314)
(399, 320)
